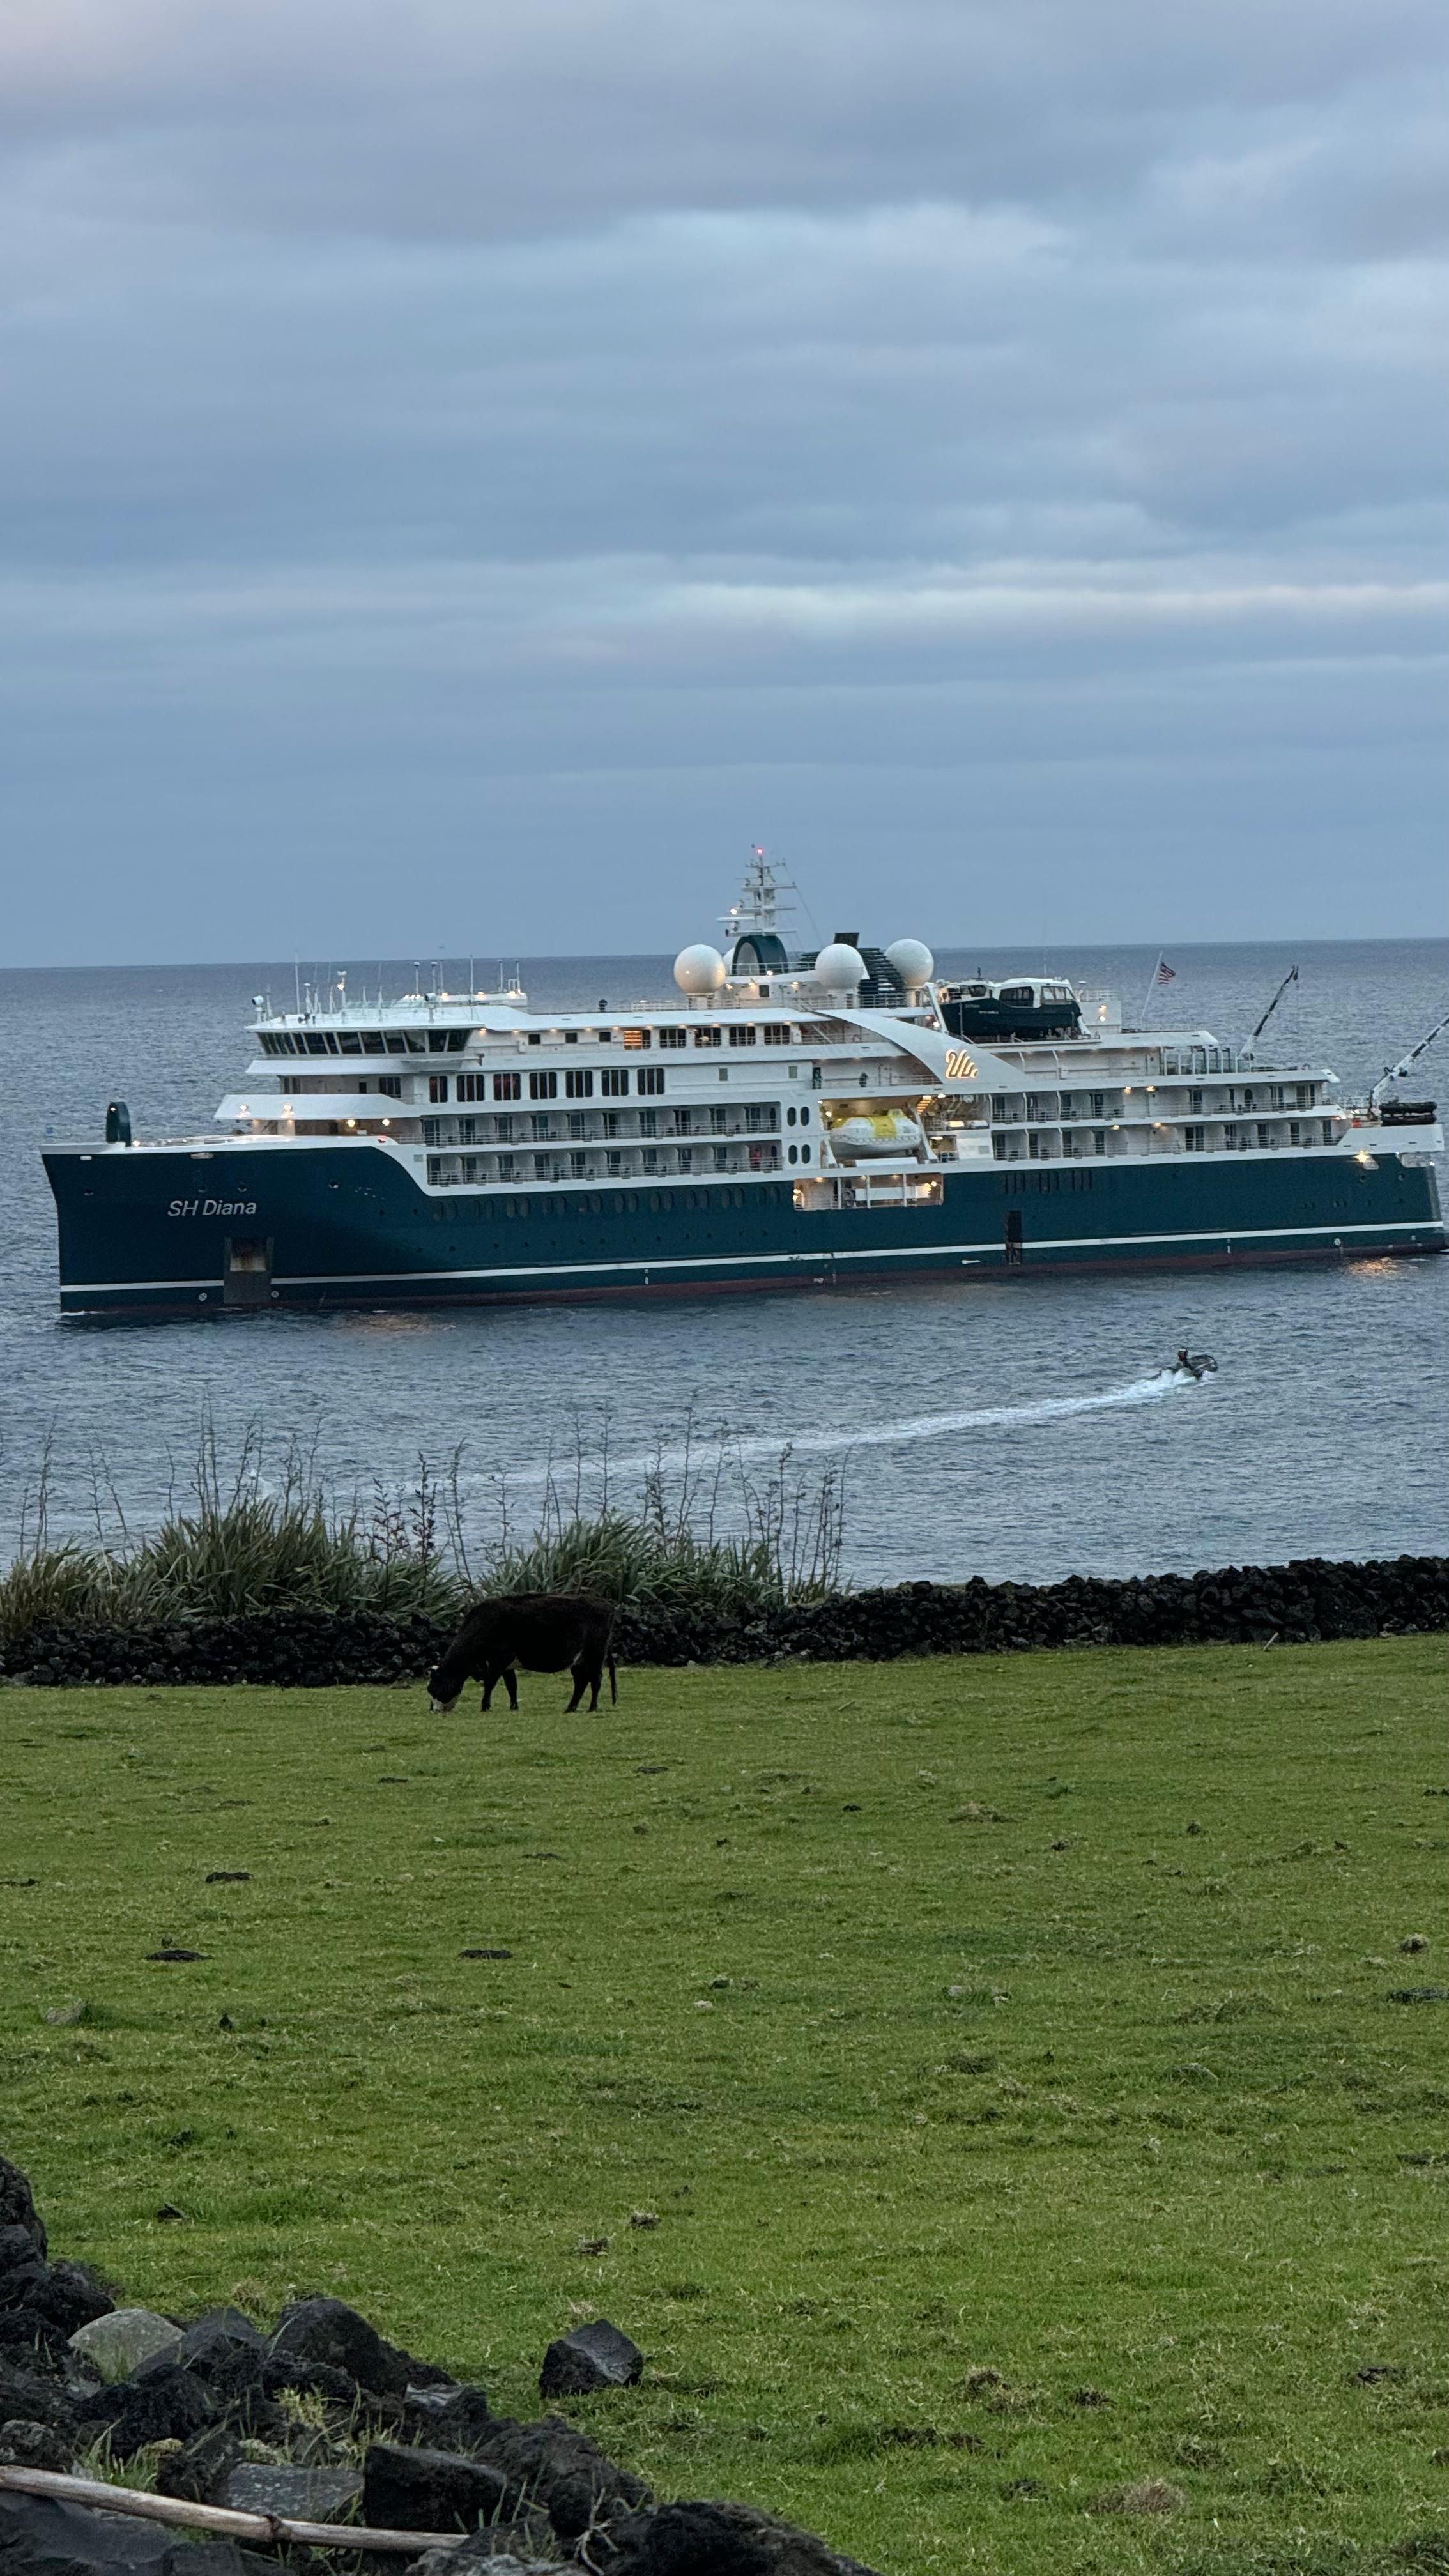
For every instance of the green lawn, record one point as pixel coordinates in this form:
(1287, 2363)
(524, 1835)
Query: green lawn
(1028, 2017)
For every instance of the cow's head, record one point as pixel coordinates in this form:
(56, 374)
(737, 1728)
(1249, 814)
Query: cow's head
(436, 1686)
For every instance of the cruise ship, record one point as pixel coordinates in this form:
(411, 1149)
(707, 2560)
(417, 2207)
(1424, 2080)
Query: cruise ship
(792, 1119)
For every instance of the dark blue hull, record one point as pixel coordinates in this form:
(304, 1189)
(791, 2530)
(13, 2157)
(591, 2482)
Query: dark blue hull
(161, 1231)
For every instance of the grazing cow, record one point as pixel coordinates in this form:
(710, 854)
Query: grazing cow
(539, 1631)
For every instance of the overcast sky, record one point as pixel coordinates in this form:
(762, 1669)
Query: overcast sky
(471, 469)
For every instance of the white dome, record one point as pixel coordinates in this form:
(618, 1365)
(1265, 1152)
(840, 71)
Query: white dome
(839, 966)
(700, 969)
(912, 961)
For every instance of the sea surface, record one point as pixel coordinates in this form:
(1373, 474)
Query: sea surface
(1016, 1428)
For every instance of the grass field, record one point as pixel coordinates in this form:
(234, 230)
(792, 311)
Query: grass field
(1006, 2049)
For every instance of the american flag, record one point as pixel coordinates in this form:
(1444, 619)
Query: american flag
(1165, 974)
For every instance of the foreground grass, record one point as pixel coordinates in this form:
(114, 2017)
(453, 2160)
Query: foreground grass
(1097, 2086)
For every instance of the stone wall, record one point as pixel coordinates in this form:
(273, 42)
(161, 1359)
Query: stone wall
(1305, 1602)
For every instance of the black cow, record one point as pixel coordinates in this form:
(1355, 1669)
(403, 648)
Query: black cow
(541, 1631)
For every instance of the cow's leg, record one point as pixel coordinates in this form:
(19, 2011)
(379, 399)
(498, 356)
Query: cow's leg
(579, 1678)
(489, 1677)
(595, 1677)
(509, 1675)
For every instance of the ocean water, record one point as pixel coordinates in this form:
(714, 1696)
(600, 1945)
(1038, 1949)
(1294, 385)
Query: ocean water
(1021, 1428)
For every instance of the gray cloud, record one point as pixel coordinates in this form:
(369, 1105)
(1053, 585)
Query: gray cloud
(598, 435)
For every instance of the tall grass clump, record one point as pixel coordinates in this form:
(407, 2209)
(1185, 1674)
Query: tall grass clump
(673, 1550)
(239, 1542)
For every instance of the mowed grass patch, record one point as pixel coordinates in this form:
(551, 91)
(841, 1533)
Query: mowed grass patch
(1005, 2050)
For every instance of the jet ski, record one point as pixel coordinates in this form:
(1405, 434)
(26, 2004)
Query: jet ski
(1198, 1364)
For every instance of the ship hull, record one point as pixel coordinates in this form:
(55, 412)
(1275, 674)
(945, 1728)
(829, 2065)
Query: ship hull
(159, 1232)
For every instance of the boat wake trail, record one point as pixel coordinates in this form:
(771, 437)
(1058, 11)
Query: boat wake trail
(843, 1439)
(995, 1417)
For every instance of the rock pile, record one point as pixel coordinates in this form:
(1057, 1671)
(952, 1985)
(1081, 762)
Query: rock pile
(1310, 1600)
(390, 2441)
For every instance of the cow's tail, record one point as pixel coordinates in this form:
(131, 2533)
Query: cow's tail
(613, 1685)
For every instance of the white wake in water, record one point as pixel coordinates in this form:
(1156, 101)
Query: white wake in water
(844, 1438)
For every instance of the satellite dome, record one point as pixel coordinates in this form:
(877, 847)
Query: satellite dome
(912, 961)
(700, 969)
(839, 966)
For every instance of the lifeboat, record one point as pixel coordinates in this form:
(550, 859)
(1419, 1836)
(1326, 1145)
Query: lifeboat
(865, 1133)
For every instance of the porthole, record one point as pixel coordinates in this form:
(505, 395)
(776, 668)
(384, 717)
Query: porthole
(804, 1153)
(790, 1117)
(805, 1117)
(794, 1155)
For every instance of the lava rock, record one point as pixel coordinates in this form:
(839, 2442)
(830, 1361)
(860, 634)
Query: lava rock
(329, 2332)
(116, 2343)
(33, 2342)
(27, 2396)
(449, 2419)
(524, 2547)
(199, 2470)
(220, 2332)
(72, 2296)
(562, 2470)
(17, 2206)
(41, 2536)
(294, 2494)
(592, 2356)
(721, 2540)
(424, 2490)
(35, 2446)
(168, 2405)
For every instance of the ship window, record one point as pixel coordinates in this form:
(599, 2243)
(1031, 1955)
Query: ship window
(673, 1037)
(437, 1086)
(1195, 1139)
(417, 1040)
(396, 1042)
(472, 1086)
(743, 1034)
(805, 1115)
(372, 1042)
(543, 1084)
(1099, 1140)
(508, 1086)
(614, 1081)
(651, 1077)
(316, 1043)
(636, 1037)
(804, 1153)
(391, 1084)
(794, 1154)
(777, 1033)
(350, 1043)
(790, 1117)
(706, 1037)
(1017, 993)
(579, 1083)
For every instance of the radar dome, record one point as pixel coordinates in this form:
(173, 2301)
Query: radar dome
(700, 969)
(912, 961)
(839, 966)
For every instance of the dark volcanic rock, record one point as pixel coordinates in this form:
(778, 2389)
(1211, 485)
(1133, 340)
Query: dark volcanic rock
(562, 2470)
(168, 2405)
(221, 2332)
(329, 2332)
(70, 2296)
(592, 2356)
(293, 2494)
(35, 2446)
(17, 2208)
(419, 2490)
(721, 2540)
(33, 2398)
(40, 2536)
(526, 2545)
(449, 2419)
(200, 2469)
